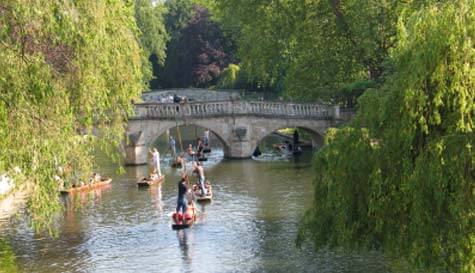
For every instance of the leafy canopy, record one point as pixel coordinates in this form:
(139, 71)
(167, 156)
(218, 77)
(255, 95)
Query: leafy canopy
(401, 178)
(310, 49)
(153, 35)
(69, 69)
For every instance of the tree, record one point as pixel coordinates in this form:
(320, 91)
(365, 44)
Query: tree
(231, 77)
(197, 53)
(413, 194)
(68, 69)
(179, 14)
(312, 48)
(153, 35)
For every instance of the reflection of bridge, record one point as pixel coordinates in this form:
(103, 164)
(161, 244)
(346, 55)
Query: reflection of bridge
(239, 125)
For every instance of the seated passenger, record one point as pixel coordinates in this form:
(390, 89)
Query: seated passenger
(190, 211)
(190, 151)
(154, 176)
(181, 162)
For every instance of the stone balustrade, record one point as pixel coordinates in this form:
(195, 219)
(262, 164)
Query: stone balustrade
(153, 110)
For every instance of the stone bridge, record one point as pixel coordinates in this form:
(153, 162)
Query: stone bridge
(239, 125)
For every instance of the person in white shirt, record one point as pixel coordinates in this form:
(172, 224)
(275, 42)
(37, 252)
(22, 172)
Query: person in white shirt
(156, 161)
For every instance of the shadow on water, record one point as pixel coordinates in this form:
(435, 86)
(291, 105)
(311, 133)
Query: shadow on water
(182, 236)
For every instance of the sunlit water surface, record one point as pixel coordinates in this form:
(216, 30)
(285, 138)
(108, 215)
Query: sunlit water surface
(250, 226)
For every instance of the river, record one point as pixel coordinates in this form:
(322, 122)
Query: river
(250, 226)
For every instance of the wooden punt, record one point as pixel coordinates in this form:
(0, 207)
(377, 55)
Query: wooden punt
(197, 192)
(176, 165)
(183, 224)
(180, 226)
(105, 181)
(146, 182)
(290, 153)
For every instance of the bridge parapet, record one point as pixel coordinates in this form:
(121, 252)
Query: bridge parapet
(152, 110)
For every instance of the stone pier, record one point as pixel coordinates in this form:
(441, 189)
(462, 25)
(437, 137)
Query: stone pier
(239, 125)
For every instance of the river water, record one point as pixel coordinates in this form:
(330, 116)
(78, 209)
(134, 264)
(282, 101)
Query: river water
(250, 226)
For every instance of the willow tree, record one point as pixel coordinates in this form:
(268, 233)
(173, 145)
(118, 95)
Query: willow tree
(401, 179)
(69, 69)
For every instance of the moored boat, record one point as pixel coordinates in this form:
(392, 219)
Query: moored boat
(103, 182)
(199, 196)
(148, 181)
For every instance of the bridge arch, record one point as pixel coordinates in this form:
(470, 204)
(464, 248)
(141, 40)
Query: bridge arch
(197, 123)
(150, 130)
(239, 125)
(317, 131)
(317, 137)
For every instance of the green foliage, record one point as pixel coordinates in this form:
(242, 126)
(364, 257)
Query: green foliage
(179, 13)
(263, 35)
(231, 77)
(68, 69)
(312, 48)
(349, 94)
(153, 35)
(8, 262)
(405, 183)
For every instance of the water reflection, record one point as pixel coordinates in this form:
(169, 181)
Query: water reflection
(250, 226)
(201, 210)
(156, 196)
(182, 236)
(83, 198)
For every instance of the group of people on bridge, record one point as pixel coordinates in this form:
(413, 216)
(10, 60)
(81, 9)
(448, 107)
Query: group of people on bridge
(172, 99)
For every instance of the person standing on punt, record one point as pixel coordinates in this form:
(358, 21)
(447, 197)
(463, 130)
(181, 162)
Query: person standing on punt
(199, 148)
(156, 161)
(296, 140)
(182, 199)
(172, 143)
(198, 169)
(206, 137)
